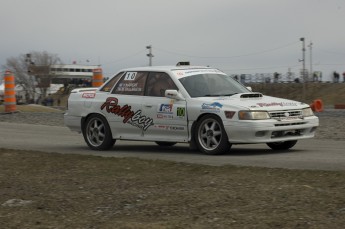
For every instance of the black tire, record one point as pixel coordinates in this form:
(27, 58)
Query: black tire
(210, 136)
(281, 145)
(97, 133)
(164, 144)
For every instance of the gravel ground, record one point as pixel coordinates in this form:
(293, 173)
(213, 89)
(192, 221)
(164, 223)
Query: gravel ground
(332, 121)
(332, 125)
(41, 118)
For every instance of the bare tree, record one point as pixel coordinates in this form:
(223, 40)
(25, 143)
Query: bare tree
(22, 67)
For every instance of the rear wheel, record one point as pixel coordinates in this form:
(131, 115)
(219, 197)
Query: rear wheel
(97, 133)
(282, 145)
(165, 143)
(211, 137)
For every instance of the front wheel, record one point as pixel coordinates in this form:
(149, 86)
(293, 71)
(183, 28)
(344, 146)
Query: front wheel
(211, 137)
(281, 145)
(97, 133)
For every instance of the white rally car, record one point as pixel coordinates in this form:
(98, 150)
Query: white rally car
(201, 106)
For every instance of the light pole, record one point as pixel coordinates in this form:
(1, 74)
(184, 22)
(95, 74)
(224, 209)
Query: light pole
(303, 66)
(311, 60)
(303, 59)
(150, 55)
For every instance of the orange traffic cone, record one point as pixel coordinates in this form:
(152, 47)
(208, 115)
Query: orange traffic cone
(97, 79)
(317, 105)
(10, 93)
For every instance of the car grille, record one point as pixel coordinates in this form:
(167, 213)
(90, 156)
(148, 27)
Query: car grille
(286, 114)
(291, 124)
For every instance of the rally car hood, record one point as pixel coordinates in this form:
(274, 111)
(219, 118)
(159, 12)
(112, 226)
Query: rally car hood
(253, 101)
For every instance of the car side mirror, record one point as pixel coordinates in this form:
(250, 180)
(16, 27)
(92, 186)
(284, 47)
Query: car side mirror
(249, 88)
(173, 94)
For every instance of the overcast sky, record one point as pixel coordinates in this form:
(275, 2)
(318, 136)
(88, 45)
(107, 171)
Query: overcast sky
(236, 36)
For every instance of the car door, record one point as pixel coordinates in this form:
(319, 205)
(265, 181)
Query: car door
(169, 116)
(123, 107)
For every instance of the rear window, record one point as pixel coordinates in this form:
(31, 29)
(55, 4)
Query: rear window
(110, 84)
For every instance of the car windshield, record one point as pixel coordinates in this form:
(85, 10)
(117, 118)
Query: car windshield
(213, 85)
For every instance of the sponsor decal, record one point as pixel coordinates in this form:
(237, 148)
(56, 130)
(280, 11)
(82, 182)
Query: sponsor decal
(201, 71)
(274, 104)
(128, 87)
(176, 128)
(181, 112)
(165, 108)
(211, 107)
(165, 111)
(179, 73)
(165, 116)
(125, 111)
(88, 95)
(170, 128)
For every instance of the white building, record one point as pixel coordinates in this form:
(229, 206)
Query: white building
(61, 72)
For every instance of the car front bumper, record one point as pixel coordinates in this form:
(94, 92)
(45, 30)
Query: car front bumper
(264, 131)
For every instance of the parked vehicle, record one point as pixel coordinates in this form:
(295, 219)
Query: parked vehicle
(201, 106)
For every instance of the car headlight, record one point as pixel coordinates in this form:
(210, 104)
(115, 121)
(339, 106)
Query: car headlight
(253, 115)
(306, 112)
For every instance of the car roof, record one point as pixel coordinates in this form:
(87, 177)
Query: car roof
(165, 68)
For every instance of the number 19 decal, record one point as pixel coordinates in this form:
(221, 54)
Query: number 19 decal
(130, 75)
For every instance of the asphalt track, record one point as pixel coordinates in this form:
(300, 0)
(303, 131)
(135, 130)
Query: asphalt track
(312, 154)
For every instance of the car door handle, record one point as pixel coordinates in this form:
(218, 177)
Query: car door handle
(148, 105)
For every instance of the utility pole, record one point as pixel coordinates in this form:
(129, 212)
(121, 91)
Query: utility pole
(311, 60)
(303, 59)
(150, 55)
(303, 67)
